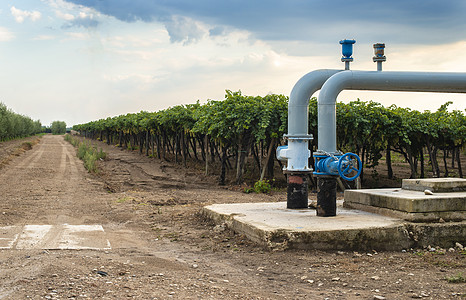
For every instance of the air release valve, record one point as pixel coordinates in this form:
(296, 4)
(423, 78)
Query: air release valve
(347, 51)
(379, 55)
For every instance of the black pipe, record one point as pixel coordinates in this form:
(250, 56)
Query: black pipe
(326, 196)
(297, 193)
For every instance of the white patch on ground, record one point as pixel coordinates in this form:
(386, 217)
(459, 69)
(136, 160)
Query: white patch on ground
(54, 237)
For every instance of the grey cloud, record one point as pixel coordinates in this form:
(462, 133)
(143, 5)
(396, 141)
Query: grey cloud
(82, 22)
(183, 30)
(217, 30)
(414, 21)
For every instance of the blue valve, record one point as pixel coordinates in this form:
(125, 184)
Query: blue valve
(338, 165)
(347, 49)
(346, 166)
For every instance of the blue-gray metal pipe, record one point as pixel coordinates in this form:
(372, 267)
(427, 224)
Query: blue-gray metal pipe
(298, 106)
(297, 152)
(377, 81)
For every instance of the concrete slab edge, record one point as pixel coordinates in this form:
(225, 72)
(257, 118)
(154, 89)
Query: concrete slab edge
(398, 201)
(392, 238)
(455, 216)
(436, 185)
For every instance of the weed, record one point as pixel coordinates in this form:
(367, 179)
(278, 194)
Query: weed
(87, 153)
(458, 278)
(124, 199)
(173, 236)
(262, 186)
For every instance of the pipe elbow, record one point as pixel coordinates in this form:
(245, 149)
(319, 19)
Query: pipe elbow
(308, 85)
(333, 87)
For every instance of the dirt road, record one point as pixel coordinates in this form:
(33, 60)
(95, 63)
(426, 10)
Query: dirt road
(133, 232)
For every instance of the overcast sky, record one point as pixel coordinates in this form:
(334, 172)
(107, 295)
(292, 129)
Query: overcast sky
(81, 60)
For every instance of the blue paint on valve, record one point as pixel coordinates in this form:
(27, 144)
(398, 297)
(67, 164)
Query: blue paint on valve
(347, 48)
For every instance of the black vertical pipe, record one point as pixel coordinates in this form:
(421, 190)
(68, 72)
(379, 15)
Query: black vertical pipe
(326, 196)
(297, 193)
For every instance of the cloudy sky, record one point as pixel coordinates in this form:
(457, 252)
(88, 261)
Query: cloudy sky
(81, 60)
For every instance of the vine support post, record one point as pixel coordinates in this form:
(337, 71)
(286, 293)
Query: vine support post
(206, 146)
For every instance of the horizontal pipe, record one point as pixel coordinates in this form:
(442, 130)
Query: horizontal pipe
(437, 82)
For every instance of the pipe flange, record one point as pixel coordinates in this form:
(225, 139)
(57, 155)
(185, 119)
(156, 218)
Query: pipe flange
(298, 137)
(297, 172)
(324, 153)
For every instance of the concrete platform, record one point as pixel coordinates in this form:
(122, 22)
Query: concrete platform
(445, 200)
(274, 226)
(436, 185)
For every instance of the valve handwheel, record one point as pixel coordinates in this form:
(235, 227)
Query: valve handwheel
(346, 166)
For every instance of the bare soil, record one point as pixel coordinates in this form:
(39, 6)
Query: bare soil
(162, 249)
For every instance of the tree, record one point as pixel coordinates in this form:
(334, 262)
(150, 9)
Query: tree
(58, 127)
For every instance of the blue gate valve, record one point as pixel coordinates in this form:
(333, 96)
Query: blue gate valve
(342, 165)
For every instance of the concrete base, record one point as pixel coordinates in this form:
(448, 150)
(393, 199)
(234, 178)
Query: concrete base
(419, 200)
(274, 226)
(436, 185)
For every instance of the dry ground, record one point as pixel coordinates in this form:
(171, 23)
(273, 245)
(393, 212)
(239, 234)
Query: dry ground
(162, 249)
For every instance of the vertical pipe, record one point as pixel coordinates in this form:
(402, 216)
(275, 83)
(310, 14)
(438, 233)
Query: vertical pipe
(298, 124)
(326, 196)
(297, 191)
(379, 66)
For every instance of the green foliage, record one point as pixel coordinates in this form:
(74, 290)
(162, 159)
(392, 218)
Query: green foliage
(458, 278)
(13, 125)
(87, 153)
(58, 127)
(262, 186)
(365, 128)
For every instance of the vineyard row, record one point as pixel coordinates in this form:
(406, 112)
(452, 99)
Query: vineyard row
(239, 127)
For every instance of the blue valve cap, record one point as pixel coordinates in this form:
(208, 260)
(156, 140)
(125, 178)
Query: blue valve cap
(347, 48)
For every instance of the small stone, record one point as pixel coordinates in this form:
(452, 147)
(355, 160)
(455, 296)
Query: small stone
(219, 228)
(54, 275)
(336, 279)
(428, 192)
(403, 251)
(369, 254)
(378, 297)
(310, 281)
(102, 273)
(375, 278)
(341, 253)
(432, 249)
(424, 294)
(303, 277)
(195, 266)
(441, 220)
(451, 250)
(459, 246)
